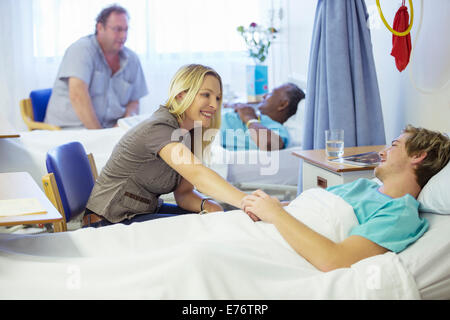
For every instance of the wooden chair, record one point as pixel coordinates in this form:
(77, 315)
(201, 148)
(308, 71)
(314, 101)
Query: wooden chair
(70, 179)
(33, 110)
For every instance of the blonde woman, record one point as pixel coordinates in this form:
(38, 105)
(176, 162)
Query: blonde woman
(157, 157)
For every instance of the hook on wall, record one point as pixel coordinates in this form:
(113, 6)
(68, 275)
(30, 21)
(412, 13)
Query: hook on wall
(395, 32)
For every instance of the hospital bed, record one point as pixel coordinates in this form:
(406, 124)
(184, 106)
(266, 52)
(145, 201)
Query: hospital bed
(226, 256)
(214, 256)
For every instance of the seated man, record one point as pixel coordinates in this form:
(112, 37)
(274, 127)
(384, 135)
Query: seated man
(99, 80)
(388, 214)
(250, 127)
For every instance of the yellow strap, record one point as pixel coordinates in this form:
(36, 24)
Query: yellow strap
(399, 34)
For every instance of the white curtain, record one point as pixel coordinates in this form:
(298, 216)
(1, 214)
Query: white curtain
(165, 33)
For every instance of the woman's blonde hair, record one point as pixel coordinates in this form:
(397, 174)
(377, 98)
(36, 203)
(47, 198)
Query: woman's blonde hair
(435, 144)
(189, 79)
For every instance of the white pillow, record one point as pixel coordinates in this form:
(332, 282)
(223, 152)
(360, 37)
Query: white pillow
(435, 196)
(294, 125)
(429, 257)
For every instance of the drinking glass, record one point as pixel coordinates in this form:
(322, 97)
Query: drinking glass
(334, 143)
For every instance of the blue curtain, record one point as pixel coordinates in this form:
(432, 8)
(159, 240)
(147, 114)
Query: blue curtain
(342, 89)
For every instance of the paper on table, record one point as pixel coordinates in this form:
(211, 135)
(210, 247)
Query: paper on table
(361, 160)
(19, 207)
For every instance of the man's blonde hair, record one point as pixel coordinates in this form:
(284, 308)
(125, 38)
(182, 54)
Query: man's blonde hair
(435, 144)
(189, 79)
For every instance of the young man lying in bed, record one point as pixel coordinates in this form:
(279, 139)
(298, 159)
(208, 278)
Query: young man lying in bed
(388, 214)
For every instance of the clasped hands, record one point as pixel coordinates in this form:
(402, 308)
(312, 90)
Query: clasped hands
(260, 206)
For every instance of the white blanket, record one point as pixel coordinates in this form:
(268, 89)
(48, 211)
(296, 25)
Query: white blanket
(214, 256)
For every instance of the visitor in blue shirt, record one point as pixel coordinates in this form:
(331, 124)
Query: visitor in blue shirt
(246, 126)
(99, 80)
(388, 214)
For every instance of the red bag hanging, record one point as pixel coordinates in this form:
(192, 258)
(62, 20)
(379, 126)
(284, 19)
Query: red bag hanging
(401, 46)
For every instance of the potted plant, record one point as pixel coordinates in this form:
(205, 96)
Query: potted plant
(258, 40)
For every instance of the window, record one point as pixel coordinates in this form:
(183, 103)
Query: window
(157, 27)
(164, 33)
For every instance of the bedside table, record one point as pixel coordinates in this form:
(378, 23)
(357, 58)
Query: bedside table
(319, 172)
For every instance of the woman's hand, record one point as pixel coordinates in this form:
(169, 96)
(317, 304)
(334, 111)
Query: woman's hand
(260, 206)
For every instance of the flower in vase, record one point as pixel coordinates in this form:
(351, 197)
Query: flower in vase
(258, 40)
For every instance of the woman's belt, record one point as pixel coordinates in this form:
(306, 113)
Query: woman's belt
(91, 218)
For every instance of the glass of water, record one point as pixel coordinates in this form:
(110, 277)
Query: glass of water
(334, 143)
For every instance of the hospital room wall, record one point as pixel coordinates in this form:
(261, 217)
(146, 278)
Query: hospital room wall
(420, 94)
(402, 100)
(299, 28)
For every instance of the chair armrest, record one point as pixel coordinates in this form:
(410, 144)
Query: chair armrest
(52, 192)
(26, 111)
(93, 166)
(33, 125)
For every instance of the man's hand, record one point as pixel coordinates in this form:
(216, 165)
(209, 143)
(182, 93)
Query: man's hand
(237, 105)
(246, 113)
(263, 137)
(260, 206)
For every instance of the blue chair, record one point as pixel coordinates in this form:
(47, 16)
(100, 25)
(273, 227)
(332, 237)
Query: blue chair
(33, 110)
(70, 179)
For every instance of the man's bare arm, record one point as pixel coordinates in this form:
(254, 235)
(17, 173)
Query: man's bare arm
(263, 137)
(82, 104)
(132, 109)
(323, 253)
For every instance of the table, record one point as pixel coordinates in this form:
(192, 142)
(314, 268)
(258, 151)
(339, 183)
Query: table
(17, 185)
(319, 172)
(4, 135)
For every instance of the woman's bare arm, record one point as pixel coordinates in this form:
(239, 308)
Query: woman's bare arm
(205, 180)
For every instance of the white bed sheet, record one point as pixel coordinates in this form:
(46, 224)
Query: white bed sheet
(28, 153)
(215, 256)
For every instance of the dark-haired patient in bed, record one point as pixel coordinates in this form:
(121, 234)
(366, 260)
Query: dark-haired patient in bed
(261, 126)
